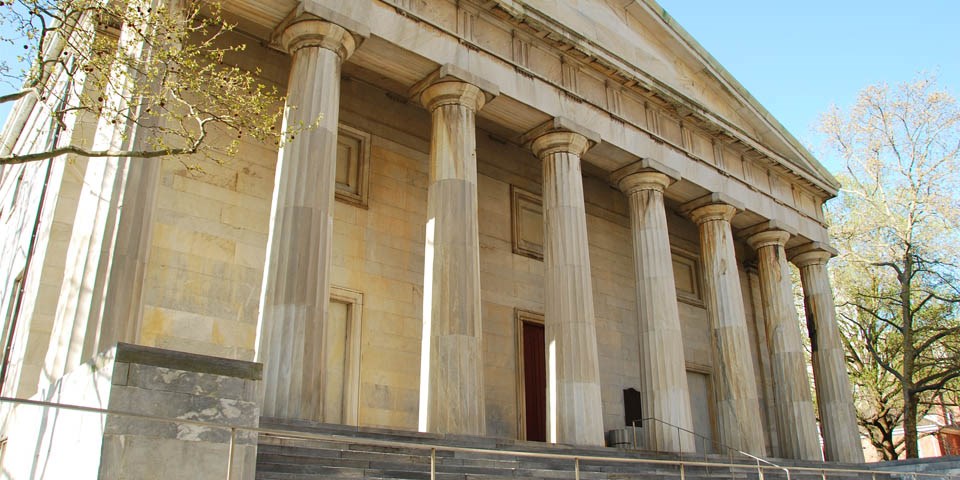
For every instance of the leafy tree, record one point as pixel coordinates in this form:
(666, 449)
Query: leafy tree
(896, 225)
(157, 69)
(878, 396)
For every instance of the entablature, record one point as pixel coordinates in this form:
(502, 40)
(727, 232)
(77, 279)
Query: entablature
(544, 74)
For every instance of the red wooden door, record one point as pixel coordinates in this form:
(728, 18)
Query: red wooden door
(534, 382)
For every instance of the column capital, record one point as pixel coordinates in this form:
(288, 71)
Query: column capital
(713, 212)
(559, 142)
(644, 174)
(560, 135)
(452, 93)
(309, 31)
(767, 226)
(813, 253)
(767, 238)
(710, 207)
(431, 93)
(640, 181)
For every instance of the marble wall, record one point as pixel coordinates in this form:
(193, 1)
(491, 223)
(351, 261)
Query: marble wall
(47, 443)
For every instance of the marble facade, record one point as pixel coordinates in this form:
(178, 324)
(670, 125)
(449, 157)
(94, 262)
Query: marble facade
(583, 161)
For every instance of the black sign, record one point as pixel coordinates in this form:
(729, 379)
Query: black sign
(632, 408)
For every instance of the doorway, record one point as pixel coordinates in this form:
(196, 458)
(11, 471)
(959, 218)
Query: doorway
(532, 375)
(701, 405)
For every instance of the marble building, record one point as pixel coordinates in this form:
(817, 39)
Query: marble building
(511, 212)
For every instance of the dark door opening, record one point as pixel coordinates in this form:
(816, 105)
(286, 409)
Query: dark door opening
(534, 382)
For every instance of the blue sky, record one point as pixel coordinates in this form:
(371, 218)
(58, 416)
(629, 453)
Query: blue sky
(799, 57)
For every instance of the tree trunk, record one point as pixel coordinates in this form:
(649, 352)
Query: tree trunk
(909, 398)
(881, 437)
(889, 451)
(910, 425)
(887, 447)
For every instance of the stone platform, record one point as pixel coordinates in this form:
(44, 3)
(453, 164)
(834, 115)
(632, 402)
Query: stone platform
(166, 412)
(352, 452)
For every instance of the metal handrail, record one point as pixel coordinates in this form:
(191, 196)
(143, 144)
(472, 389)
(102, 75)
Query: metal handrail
(705, 438)
(714, 442)
(433, 448)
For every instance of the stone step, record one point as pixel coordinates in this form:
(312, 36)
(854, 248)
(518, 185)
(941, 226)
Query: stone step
(281, 458)
(299, 471)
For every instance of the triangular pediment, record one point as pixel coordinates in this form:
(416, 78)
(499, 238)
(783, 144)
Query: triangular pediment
(641, 33)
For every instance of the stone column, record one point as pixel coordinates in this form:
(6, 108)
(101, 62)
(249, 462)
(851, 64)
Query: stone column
(296, 280)
(91, 240)
(123, 305)
(574, 412)
(838, 421)
(663, 376)
(451, 307)
(796, 424)
(100, 301)
(738, 412)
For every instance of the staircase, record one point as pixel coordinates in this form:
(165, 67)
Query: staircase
(342, 452)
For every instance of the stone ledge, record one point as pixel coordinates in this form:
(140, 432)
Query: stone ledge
(191, 362)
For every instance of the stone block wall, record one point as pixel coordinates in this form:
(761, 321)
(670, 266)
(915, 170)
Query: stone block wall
(21, 194)
(49, 443)
(210, 224)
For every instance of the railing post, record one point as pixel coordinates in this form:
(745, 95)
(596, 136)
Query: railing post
(233, 436)
(679, 443)
(823, 475)
(433, 464)
(634, 422)
(683, 474)
(576, 468)
(733, 471)
(759, 470)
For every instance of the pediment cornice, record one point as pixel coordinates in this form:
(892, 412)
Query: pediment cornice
(778, 145)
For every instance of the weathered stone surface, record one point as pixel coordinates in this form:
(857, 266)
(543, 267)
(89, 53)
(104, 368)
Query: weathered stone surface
(737, 401)
(105, 268)
(795, 419)
(179, 386)
(136, 457)
(125, 443)
(664, 392)
(452, 386)
(296, 283)
(49, 443)
(187, 362)
(838, 421)
(574, 412)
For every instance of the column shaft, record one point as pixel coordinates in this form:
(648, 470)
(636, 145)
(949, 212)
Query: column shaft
(736, 389)
(796, 423)
(123, 305)
(451, 304)
(663, 378)
(101, 294)
(296, 283)
(838, 421)
(574, 413)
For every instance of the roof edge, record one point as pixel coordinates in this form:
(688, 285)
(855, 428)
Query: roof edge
(724, 75)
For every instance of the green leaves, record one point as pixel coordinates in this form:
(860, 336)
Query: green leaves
(168, 73)
(895, 223)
